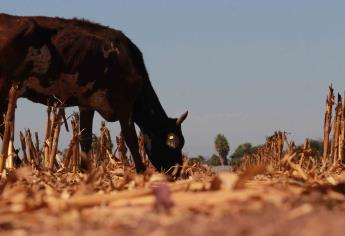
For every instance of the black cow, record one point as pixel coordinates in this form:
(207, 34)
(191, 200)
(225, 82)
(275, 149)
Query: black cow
(91, 66)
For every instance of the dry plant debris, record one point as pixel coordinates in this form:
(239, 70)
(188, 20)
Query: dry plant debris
(279, 190)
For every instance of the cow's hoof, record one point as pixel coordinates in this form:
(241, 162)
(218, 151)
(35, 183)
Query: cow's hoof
(140, 169)
(85, 166)
(85, 163)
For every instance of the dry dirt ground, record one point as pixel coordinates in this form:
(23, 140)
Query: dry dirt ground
(113, 203)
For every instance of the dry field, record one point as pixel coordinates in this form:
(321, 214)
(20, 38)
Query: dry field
(279, 190)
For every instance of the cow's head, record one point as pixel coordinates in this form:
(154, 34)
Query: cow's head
(165, 147)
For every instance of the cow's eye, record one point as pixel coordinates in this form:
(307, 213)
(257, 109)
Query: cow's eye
(172, 141)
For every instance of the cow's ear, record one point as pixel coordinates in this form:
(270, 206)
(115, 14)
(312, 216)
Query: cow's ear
(180, 120)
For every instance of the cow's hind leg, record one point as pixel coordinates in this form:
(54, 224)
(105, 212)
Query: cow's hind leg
(128, 131)
(86, 118)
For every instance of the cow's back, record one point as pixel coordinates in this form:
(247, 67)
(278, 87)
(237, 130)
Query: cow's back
(10, 24)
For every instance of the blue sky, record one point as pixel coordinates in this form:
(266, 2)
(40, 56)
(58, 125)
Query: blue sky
(241, 68)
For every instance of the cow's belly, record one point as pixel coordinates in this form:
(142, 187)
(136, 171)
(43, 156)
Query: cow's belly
(67, 90)
(63, 88)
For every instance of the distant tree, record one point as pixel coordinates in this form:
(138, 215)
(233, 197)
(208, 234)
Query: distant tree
(213, 161)
(199, 159)
(222, 147)
(316, 146)
(242, 150)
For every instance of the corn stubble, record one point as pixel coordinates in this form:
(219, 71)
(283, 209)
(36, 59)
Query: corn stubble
(278, 153)
(41, 179)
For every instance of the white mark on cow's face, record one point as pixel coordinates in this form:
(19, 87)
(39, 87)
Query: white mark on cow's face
(172, 141)
(108, 49)
(41, 59)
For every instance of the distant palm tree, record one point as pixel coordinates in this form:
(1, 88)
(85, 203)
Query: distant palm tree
(222, 147)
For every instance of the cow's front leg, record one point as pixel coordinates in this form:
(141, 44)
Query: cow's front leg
(3, 110)
(3, 105)
(86, 119)
(2, 125)
(128, 131)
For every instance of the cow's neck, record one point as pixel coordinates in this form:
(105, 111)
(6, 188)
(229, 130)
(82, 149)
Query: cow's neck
(149, 113)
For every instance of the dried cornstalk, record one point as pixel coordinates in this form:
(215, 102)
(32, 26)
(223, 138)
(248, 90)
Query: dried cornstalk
(23, 144)
(65, 120)
(10, 153)
(141, 144)
(336, 129)
(67, 160)
(37, 144)
(296, 167)
(122, 149)
(103, 139)
(327, 121)
(9, 125)
(291, 147)
(306, 146)
(28, 147)
(280, 144)
(53, 120)
(270, 153)
(52, 131)
(55, 141)
(299, 170)
(47, 144)
(342, 132)
(75, 156)
(105, 144)
(33, 156)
